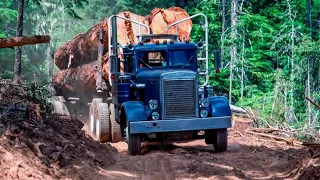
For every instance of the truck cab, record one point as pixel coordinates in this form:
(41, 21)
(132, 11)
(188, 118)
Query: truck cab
(157, 96)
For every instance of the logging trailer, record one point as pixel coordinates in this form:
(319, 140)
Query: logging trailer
(161, 93)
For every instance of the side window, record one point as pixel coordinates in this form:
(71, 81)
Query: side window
(153, 59)
(129, 63)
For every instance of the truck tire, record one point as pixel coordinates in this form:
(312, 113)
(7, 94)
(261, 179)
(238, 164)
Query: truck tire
(134, 143)
(116, 134)
(59, 108)
(92, 123)
(102, 123)
(93, 116)
(220, 140)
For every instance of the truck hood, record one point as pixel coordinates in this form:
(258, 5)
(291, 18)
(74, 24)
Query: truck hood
(157, 74)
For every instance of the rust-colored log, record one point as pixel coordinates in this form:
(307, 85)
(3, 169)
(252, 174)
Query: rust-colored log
(20, 41)
(79, 79)
(159, 19)
(82, 79)
(83, 48)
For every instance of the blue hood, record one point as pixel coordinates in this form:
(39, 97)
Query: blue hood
(157, 74)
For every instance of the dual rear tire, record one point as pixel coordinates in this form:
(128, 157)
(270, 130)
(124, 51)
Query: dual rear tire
(103, 126)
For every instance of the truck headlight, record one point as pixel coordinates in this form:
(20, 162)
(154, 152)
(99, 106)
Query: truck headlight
(153, 104)
(203, 113)
(204, 102)
(155, 115)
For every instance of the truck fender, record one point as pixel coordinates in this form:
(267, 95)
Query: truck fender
(219, 106)
(133, 111)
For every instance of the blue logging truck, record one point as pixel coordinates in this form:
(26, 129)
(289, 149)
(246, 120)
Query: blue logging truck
(159, 96)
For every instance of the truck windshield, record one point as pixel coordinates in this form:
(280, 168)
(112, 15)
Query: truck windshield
(182, 58)
(152, 59)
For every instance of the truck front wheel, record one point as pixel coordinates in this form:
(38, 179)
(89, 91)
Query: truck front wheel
(220, 140)
(134, 143)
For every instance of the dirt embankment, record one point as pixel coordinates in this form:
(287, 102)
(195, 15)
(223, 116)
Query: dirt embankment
(56, 149)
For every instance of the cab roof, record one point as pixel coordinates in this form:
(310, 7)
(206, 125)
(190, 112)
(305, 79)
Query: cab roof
(168, 46)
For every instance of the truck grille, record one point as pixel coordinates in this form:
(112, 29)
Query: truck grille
(179, 98)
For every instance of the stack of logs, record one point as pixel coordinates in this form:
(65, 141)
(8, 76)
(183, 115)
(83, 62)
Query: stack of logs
(76, 59)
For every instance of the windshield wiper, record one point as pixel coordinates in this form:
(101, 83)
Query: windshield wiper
(187, 62)
(145, 63)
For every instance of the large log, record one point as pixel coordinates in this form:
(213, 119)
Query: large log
(159, 19)
(20, 41)
(84, 47)
(81, 79)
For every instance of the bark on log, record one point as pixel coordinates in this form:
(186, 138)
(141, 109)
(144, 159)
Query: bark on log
(159, 19)
(81, 79)
(20, 41)
(83, 48)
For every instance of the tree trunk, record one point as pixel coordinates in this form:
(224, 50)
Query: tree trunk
(308, 20)
(51, 59)
(242, 66)
(20, 41)
(223, 29)
(292, 74)
(308, 94)
(233, 48)
(17, 64)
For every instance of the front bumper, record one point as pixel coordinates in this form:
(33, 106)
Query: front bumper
(180, 125)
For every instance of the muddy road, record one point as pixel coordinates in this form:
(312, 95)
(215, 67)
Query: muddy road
(248, 157)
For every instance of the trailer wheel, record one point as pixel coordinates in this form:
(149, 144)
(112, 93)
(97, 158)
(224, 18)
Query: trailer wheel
(220, 137)
(134, 143)
(93, 116)
(59, 108)
(92, 124)
(102, 123)
(116, 134)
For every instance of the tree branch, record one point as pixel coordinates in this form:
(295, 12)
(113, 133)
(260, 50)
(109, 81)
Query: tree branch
(20, 41)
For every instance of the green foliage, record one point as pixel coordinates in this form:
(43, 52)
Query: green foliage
(40, 95)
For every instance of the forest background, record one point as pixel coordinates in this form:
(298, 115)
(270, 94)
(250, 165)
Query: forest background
(270, 48)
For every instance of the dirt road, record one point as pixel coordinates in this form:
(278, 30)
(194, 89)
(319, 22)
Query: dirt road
(248, 157)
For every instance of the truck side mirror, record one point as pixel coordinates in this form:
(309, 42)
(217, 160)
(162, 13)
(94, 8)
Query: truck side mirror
(217, 59)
